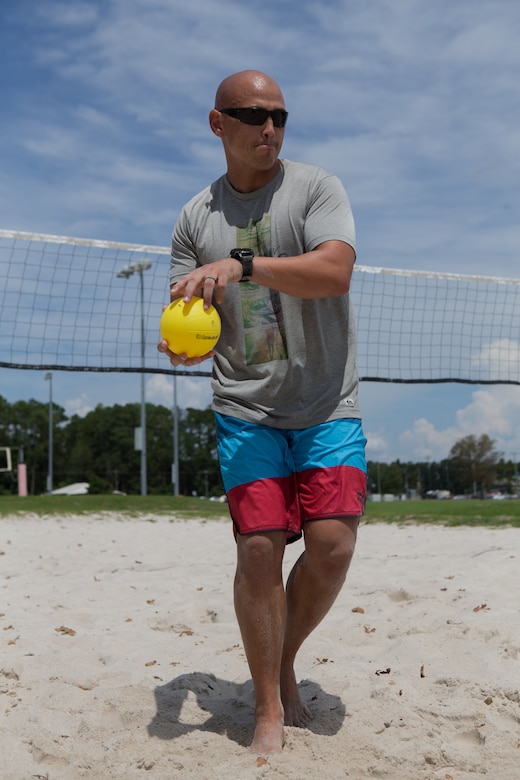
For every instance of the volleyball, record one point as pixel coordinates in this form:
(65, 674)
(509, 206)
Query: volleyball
(189, 327)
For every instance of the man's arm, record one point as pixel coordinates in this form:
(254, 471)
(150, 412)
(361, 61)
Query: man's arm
(324, 272)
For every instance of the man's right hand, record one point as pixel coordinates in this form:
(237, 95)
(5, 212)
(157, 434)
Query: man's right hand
(182, 360)
(208, 281)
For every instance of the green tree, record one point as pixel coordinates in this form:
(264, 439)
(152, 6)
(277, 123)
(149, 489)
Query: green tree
(101, 444)
(99, 448)
(159, 438)
(474, 463)
(508, 476)
(199, 471)
(386, 477)
(24, 426)
(6, 478)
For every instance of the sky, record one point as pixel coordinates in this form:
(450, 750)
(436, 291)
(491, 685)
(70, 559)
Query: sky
(413, 104)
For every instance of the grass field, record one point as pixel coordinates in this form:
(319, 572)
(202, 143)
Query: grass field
(450, 513)
(131, 506)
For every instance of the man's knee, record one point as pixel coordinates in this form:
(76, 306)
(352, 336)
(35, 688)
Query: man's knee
(259, 556)
(330, 545)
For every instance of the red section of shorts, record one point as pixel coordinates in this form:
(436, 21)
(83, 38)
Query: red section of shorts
(265, 505)
(272, 504)
(339, 491)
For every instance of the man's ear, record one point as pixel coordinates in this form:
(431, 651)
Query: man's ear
(215, 122)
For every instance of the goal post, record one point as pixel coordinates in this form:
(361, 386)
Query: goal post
(6, 467)
(6, 461)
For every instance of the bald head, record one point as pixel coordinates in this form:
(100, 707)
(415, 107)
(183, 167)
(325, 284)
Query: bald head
(245, 85)
(251, 147)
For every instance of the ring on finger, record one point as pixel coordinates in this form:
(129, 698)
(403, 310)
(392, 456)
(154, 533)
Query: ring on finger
(214, 278)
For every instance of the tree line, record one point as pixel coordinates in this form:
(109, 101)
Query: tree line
(99, 449)
(473, 468)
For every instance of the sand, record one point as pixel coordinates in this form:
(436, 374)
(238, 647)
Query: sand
(120, 656)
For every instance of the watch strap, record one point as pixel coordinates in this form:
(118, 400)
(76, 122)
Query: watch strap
(245, 258)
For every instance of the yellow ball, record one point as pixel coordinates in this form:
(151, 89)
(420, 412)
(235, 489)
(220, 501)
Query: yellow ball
(189, 328)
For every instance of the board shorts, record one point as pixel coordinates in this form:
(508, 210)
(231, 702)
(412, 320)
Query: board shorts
(278, 479)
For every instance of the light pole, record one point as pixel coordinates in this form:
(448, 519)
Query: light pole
(138, 267)
(48, 377)
(175, 464)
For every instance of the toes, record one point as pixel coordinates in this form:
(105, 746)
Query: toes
(299, 716)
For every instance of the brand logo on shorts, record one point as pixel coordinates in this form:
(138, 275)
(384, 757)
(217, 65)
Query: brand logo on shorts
(349, 402)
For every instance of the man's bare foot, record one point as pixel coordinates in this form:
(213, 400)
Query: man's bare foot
(269, 737)
(296, 712)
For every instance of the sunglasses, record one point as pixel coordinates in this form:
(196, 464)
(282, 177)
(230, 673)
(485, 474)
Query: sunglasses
(257, 116)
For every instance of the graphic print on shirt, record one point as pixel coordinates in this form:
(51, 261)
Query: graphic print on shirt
(262, 315)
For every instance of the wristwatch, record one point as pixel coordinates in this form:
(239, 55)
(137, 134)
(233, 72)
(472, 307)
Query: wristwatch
(245, 258)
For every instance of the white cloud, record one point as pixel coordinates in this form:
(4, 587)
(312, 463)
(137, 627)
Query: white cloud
(424, 442)
(79, 406)
(414, 104)
(388, 97)
(500, 358)
(494, 411)
(377, 446)
(192, 392)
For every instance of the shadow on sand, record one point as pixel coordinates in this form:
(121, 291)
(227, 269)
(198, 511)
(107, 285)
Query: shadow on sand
(230, 708)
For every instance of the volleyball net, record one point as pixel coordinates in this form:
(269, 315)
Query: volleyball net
(76, 304)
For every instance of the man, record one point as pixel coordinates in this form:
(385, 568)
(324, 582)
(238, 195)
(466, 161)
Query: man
(290, 442)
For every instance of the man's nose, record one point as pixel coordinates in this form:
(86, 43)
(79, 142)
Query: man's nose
(268, 128)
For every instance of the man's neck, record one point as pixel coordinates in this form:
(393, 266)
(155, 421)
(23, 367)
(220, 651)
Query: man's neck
(245, 181)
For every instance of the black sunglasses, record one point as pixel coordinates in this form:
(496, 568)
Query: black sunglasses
(257, 116)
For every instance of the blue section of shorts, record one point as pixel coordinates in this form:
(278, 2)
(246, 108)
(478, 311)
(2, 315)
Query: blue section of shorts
(249, 452)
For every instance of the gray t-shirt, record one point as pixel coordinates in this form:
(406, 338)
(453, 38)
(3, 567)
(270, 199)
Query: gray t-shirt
(281, 361)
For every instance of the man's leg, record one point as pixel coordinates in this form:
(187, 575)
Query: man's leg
(312, 587)
(261, 612)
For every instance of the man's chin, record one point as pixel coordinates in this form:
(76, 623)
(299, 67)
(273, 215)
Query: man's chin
(267, 158)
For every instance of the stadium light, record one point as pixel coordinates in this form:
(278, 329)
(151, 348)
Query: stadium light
(138, 267)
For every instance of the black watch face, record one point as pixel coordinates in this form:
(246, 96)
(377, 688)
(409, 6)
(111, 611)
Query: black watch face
(238, 254)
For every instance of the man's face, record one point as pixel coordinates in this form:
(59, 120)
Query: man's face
(255, 147)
